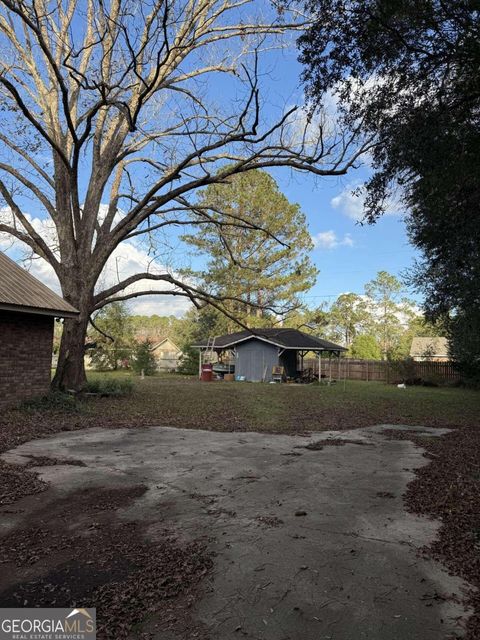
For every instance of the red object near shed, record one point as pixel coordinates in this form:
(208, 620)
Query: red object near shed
(207, 373)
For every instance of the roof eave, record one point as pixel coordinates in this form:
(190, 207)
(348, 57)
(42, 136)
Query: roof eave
(54, 313)
(272, 342)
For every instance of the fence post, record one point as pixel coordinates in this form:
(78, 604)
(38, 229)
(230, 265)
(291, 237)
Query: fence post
(367, 372)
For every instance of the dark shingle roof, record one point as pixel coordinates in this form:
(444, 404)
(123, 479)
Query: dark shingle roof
(20, 291)
(285, 338)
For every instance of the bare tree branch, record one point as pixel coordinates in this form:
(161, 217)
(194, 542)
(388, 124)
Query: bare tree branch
(111, 121)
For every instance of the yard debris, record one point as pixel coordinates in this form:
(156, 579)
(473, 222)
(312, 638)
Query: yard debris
(318, 445)
(385, 494)
(300, 513)
(269, 521)
(110, 566)
(16, 482)
(448, 489)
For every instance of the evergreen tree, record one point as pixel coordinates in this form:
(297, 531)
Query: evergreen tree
(389, 312)
(263, 265)
(143, 358)
(189, 361)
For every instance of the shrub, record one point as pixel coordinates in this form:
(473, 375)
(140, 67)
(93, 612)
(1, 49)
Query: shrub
(365, 347)
(404, 371)
(110, 386)
(54, 401)
(189, 361)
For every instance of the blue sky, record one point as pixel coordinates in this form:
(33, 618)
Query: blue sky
(348, 254)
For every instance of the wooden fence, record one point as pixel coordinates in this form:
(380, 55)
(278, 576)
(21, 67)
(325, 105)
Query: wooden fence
(382, 371)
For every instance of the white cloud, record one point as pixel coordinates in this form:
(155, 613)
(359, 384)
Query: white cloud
(352, 204)
(330, 240)
(127, 260)
(349, 204)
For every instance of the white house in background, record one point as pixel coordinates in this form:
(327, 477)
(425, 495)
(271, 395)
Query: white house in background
(430, 349)
(167, 354)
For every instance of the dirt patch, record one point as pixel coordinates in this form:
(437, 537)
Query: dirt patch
(448, 489)
(318, 445)
(106, 564)
(269, 521)
(45, 461)
(385, 494)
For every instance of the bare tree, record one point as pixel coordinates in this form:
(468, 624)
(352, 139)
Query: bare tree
(113, 115)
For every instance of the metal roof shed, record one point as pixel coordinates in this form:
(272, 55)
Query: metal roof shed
(257, 351)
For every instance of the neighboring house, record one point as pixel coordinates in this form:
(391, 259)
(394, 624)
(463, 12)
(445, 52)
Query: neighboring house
(27, 312)
(258, 352)
(430, 349)
(167, 354)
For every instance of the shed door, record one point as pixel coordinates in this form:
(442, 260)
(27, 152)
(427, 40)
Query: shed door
(255, 360)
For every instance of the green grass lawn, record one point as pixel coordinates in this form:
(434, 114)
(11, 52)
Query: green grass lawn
(170, 400)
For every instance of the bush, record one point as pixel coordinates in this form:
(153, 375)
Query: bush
(365, 347)
(405, 371)
(143, 358)
(54, 401)
(109, 386)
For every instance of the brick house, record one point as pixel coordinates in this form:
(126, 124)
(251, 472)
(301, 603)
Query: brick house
(27, 312)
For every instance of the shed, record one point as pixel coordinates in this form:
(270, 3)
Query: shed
(27, 312)
(254, 353)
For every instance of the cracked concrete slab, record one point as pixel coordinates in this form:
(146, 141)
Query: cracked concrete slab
(310, 544)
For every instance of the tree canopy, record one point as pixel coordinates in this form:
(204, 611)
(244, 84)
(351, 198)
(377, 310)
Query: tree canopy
(258, 269)
(346, 317)
(112, 336)
(408, 72)
(111, 119)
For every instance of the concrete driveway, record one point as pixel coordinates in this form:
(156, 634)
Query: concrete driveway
(310, 543)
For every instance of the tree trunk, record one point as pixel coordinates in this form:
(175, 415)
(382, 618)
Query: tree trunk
(70, 373)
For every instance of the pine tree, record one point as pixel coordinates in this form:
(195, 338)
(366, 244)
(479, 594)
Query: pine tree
(143, 358)
(263, 265)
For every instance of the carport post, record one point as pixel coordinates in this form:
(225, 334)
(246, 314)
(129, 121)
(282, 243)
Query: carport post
(200, 364)
(319, 366)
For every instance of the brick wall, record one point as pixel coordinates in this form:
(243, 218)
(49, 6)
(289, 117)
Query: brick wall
(25, 356)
